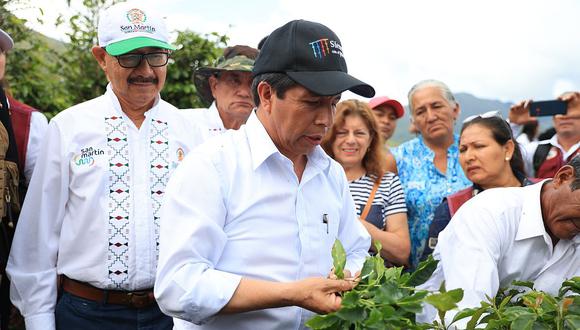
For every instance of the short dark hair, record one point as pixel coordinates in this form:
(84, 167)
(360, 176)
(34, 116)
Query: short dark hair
(575, 163)
(501, 133)
(280, 83)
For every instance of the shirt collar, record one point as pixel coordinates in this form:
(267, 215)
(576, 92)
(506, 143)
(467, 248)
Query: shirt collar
(215, 119)
(262, 146)
(532, 223)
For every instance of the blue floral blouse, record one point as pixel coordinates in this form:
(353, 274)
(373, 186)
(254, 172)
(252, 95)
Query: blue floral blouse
(425, 186)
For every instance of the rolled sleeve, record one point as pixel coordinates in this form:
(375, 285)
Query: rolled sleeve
(192, 240)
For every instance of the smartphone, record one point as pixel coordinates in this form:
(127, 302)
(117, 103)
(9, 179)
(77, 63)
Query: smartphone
(548, 108)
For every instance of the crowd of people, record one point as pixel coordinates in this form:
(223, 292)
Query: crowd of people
(139, 215)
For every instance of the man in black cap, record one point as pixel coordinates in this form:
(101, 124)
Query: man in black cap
(250, 218)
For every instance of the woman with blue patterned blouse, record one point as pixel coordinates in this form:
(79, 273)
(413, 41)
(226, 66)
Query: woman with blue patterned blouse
(428, 165)
(354, 142)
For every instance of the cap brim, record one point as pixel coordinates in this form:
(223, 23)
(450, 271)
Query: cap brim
(125, 46)
(396, 105)
(327, 83)
(6, 42)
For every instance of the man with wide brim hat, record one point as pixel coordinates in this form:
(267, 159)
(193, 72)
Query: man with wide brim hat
(225, 89)
(88, 233)
(250, 219)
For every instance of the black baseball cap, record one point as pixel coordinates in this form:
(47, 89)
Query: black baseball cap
(311, 54)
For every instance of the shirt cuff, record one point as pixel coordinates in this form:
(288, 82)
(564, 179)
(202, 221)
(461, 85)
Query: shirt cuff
(44, 321)
(212, 296)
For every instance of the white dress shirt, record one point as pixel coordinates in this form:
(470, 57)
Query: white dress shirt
(529, 149)
(495, 238)
(92, 208)
(208, 121)
(38, 127)
(234, 209)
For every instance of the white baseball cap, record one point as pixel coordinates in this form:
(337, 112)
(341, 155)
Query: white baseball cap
(126, 26)
(6, 42)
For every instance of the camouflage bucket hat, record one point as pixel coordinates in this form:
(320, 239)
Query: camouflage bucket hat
(201, 75)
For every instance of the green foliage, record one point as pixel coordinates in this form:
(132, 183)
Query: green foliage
(52, 76)
(32, 63)
(82, 75)
(193, 50)
(386, 298)
(381, 300)
(527, 309)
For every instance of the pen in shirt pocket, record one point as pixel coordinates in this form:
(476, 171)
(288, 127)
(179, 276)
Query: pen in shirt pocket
(325, 221)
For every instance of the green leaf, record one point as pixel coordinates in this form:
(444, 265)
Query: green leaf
(527, 284)
(464, 313)
(353, 314)
(513, 312)
(524, 322)
(374, 318)
(445, 301)
(423, 272)
(572, 321)
(322, 321)
(367, 273)
(572, 284)
(474, 321)
(338, 259)
(350, 298)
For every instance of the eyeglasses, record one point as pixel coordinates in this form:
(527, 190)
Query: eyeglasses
(489, 114)
(133, 60)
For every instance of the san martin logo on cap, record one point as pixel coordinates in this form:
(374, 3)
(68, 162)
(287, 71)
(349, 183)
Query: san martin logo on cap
(136, 16)
(324, 47)
(311, 54)
(126, 26)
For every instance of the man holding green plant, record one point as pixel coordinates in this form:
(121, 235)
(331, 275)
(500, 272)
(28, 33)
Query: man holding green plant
(530, 234)
(249, 220)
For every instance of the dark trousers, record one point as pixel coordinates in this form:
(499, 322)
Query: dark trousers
(74, 313)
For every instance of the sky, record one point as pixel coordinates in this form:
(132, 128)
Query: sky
(495, 49)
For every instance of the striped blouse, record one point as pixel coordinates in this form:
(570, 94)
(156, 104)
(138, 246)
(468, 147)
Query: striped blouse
(389, 198)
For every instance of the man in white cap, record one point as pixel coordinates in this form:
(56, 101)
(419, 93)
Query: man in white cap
(251, 216)
(90, 221)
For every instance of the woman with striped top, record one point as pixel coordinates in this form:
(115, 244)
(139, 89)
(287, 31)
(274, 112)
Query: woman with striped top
(355, 143)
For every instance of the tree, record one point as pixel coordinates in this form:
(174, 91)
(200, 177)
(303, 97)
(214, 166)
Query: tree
(84, 79)
(32, 65)
(53, 76)
(193, 51)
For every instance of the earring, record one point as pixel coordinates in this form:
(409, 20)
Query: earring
(507, 159)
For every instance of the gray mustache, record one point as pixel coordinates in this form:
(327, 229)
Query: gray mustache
(140, 79)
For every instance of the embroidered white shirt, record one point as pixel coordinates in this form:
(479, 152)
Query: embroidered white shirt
(91, 212)
(235, 208)
(495, 238)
